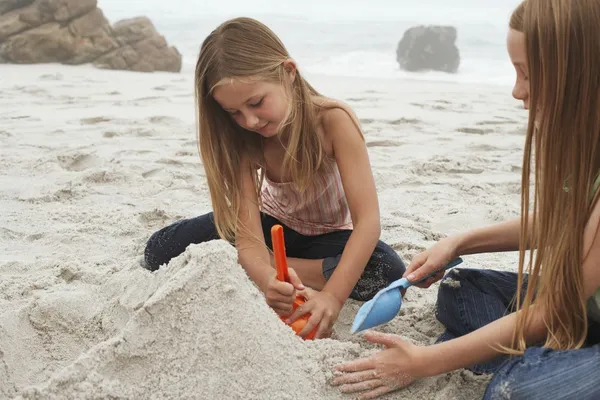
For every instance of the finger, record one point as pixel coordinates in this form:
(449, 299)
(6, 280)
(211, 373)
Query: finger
(420, 273)
(284, 288)
(324, 326)
(311, 324)
(354, 377)
(294, 280)
(300, 311)
(282, 309)
(373, 394)
(415, 263)
(279, 298)
(361, 386)
(357, 365)
(383, 338)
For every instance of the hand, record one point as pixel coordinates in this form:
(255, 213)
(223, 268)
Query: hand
(281, 295)
(431, 260)
(324, 309)
(386, 371)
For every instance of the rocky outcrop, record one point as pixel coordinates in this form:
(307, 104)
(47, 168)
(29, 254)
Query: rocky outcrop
(76, 32)
(425, 48)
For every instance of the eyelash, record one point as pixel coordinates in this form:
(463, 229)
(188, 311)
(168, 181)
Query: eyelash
(257, 104)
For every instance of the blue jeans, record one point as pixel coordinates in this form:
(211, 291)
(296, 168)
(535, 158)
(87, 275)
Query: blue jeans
(470, 298)
(384, 266)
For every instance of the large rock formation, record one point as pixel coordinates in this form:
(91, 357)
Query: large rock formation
(76, 32)
(425, 48)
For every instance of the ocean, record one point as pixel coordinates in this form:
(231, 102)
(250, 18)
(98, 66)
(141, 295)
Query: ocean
(354, 38)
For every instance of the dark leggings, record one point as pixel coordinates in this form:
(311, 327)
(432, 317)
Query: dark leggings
(384, 266)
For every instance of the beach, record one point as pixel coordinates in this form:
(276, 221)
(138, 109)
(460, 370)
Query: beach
(94, 161)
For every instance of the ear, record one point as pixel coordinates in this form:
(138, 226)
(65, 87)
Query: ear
(290, 67)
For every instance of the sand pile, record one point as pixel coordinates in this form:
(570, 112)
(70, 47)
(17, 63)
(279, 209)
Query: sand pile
(205, 333)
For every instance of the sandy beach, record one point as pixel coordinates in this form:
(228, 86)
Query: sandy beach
(93, 161)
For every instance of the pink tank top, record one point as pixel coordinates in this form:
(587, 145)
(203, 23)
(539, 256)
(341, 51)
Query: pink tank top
(322, 208)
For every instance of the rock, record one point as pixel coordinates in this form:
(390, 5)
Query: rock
(76, 32)
(142, 49)
(425, 48)
(9, 5)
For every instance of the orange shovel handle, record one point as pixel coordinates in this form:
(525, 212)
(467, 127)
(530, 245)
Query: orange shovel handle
(279, 253)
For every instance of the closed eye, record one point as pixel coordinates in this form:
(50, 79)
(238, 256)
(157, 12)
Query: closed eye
(257, 104)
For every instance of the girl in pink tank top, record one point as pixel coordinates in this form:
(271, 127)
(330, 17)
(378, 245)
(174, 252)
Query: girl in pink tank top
(276, 151)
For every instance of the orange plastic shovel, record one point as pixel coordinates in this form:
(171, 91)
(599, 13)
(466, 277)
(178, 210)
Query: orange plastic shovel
(283, 275)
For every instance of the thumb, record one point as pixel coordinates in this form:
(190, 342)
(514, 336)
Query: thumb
(294, 280)
(383, 338)
(421, 272)
(415, 263)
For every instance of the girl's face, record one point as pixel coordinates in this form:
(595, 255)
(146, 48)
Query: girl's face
(255, 105)
(515, 44)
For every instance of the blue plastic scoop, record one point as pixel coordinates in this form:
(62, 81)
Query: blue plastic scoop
(385, 305)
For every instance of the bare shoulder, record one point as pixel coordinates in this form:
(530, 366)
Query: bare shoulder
(332, 111)
(337, 118)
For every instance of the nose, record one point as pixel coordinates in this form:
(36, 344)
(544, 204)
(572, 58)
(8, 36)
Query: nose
(251, 120)
(520, 92)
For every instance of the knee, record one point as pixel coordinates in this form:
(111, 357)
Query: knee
(446, 308)
(384, 267)
(388, 261)
(449, 284)
(154, 252)
(506, 383)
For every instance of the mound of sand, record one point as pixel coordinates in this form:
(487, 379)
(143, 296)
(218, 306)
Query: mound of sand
(206, 332)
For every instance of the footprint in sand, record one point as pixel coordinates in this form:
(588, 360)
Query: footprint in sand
(165, 120)
(51, 77)
(402, 121)
(384, 143)
(99, 177)
(78, 161)
(503, 122)
(156, 173)
(94, 120)
(154, 217)
(185, 154)
(141, 132)
(474, 131)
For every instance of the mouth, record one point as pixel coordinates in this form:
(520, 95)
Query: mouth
(262, 128)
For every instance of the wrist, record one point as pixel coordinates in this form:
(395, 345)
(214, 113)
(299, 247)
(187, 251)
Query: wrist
(460, 243)
(428, 363)
(335, 296)
(266, 277)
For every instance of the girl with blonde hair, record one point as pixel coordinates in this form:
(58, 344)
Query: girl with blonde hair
(276, 151)
(536, 330)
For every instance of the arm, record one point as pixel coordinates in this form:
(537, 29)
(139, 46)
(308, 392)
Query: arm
(253, 254)
(359, 186)
(504, 236)
(475, 347)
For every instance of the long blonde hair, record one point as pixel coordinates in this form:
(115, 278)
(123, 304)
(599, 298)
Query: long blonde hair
(563, 53)
(243, 48)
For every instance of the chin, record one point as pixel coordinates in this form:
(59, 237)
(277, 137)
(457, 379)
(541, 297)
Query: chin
(269, 131)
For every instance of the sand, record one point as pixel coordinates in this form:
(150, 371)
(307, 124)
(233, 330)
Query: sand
(92, 162)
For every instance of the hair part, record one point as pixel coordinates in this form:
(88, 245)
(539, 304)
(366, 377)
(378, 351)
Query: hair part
(564, 60)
